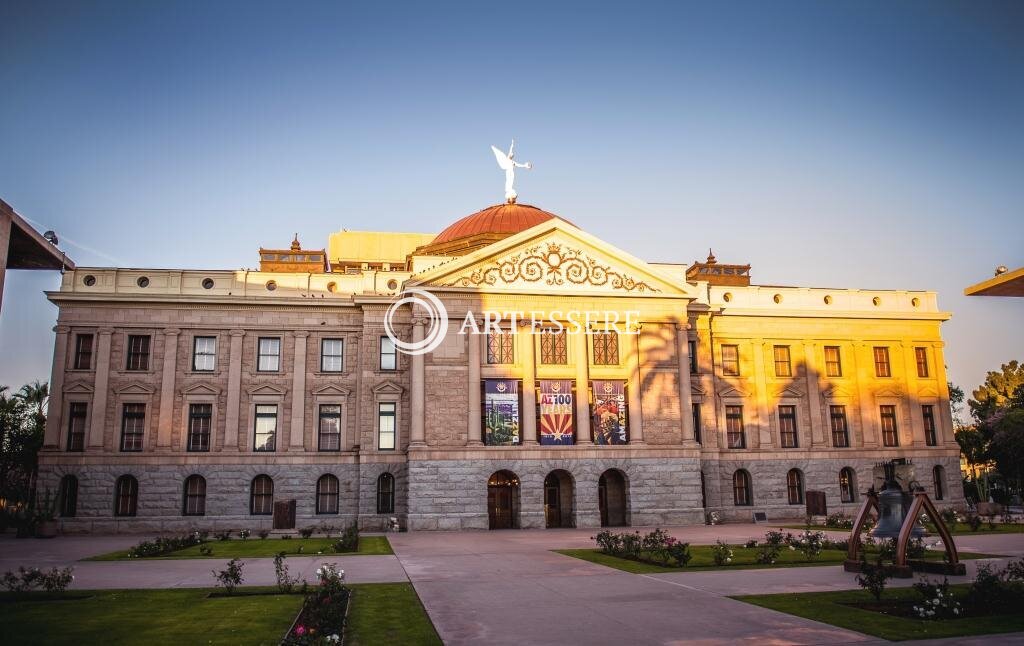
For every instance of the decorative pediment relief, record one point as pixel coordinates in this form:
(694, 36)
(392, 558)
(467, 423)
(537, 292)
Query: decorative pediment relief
(200, 389)
(551, 264)
(331, 390)
(695, 389)
(267, 390)
(732, 392)
(789, 392)
(136, 388)
(927, 392)
(835, 392)
(387, 388)
(78, 387)
(889, 392)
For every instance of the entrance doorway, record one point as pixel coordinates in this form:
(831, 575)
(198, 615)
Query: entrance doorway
(503, 501)
(559, 492)
(613, 499)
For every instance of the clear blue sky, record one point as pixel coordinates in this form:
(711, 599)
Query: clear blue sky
(836, 144)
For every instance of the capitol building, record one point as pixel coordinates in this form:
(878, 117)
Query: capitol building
(209, 398)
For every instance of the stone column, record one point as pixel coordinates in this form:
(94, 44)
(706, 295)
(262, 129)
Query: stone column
(417, 431)
(764, 422)
(98, 416)
(297, 427)
(944, 432)
(165, 423)
(812, 375)
(912, 434)
(232, 432)
(55, 410)
(636, 417)
(582, 386)
(685, 393)
(865, 363)
(529, 412)
(473, 390)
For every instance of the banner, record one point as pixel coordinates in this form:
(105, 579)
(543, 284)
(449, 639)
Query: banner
(501, 412)
(609, 412)
(556, 411)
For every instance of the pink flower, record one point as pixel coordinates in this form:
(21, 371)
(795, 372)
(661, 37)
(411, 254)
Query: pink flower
(300, 630)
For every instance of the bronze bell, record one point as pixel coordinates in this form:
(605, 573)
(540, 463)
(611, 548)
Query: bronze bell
(893, 504)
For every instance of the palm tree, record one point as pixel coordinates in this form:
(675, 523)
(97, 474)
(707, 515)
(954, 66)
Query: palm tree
(36, 394)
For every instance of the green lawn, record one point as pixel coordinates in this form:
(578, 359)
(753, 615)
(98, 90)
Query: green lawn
(828, 607)
(388, 613)
(961, 529)
(380, 613)
(177, 616)
(263, 548)
(744, 558)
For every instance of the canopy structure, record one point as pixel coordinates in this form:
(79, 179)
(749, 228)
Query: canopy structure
(22, 247)
(1007, 283)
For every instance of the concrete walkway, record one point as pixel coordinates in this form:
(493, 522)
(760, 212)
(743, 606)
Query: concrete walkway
(509, 587)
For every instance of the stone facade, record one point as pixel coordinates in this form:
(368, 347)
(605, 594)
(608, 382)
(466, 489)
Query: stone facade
(674, 470)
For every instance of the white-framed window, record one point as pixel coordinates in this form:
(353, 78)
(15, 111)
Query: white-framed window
(204, 353)
(269, 355)
(386, 417)
(265, 427)
(388, 354)
(332, 355)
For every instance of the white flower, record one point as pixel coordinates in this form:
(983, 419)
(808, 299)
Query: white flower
(728, 560)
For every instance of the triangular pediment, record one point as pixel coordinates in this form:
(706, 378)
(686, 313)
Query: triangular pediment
(78, 387)
(835, 392)
(332, 390)
(927, 392)
(136, 389)
(387, 388)
(200, 389)
(888, 392)
(789, 392)
(695, 389)
(553, 257)
(732, 392)
(267, 389)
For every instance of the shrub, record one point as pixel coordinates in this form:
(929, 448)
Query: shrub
(654, 541)
(809, 543)
(752, 543)
(830, 544)
(286, 537)
(631, 545)
(206, 550)
(264, 533)
(349, 540)
(161, 546)
(768, 554)
(285, 583)
(56, 580)
(722, 553)
(608, 542)
(327, 529)
(873, 577)
(223, 536)
(997, 591)
(244, 534)
(678, 552)
(230, 577)
(839, 520)
(775, 538)
(306, 532)
(939, 602)
(974, 522)
(323, 611)
(951, 518)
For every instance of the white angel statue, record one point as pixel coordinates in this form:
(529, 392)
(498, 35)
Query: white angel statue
(508, 164)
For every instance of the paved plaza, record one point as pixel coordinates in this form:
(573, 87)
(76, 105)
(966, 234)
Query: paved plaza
(508, 587)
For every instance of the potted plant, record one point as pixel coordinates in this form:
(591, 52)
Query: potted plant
(46, 516)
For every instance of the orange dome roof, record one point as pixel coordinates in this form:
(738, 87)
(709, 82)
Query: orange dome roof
(503, 219)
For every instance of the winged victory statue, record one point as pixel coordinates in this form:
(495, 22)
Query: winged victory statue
(509, 165)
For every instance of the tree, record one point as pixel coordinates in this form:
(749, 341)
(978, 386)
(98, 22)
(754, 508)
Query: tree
(998, 407)
(22, 419)
(36, 395)
(998, 391)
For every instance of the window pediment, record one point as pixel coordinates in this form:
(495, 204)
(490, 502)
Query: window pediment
(267, 390)
(201, 388)
(136, 389)
(387, 388)
(78, 387)
(331, 390)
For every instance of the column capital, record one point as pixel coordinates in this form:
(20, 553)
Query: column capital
(683, 327)
(300, 334)
(420, 320)
(172, 331)
(237, 332)
(106, 331)
(61, 329)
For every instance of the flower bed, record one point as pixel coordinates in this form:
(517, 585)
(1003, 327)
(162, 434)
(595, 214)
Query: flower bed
(321, 620)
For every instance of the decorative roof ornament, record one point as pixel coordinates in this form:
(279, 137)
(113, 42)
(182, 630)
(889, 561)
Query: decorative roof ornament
(295, 243)
(509, 165)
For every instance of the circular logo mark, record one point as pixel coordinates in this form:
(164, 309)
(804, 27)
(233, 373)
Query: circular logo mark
(437, 321)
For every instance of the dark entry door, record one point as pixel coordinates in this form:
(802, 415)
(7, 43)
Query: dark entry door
(602, 500)
(552, 502)
(499, 506)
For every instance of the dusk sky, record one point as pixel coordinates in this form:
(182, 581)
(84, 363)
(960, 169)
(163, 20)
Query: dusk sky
(832, 144)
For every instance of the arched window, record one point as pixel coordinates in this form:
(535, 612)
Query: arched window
(741, 488)
(386, 494)
(327, 494)
(795, 486)
(261, 496)
(847, 485)
(939, 478)
(126, 496)
(68, 496)
(194, 503)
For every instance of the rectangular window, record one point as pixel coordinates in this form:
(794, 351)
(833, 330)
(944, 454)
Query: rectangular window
(693, 356)
(731, 360)
(133, 423)
(889, 435)
(77, 414)
(833, 361)
(783, 367)
(734, 427)
(787, 426)
(553, 347)
(386, 426)
(696, 422)
(204, 353)
(269, 355)
(388, 354)
(200, 421)
(606, 348)
(921, 354)
(500, 347)
(882, 368)
(840, 432)
(266, 428)
(330, 427)
(332, 355)
(137, 352)
(928, 413)
(83, 352)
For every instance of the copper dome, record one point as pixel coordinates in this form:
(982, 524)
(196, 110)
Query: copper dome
(485, 227)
